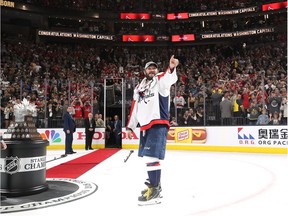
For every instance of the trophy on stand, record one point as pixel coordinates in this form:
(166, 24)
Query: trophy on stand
(23, 162)
(23, 128)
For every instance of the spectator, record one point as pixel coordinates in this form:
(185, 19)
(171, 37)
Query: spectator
(78, 109)
(216, 98)
(179, 101)
(238, 108)
(253, 112)
(95, 106)
(100, 122)
(2, 117)
(8, 114)
(262, 97)
(173, 122)
(199, 102)
(193, 89)
(275, 118)
(51, 114)
(263, 119)
(200, 116)
(274, 103)
(244, 102)
(284, 109)
(90, 125)
(96, 116)
(192, 117)
(58, 114)
(180, 119)
(3, 146)
(269, 87)
(226, 108)
(65, 106)
(40, 107)
(187, 118)
(117, 131)
(87, 108)
(109, 139)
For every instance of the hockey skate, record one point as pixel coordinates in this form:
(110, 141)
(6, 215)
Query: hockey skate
(149, 185)
(150, 197)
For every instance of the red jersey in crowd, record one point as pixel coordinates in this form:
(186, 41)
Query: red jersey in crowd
(78, 111)
(245, 101)
(87, 109)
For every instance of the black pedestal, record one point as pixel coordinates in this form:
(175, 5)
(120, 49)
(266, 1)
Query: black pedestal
(23, 167)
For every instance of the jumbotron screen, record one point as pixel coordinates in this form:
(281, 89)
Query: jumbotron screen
(135, 16)
(138, 38)
(177, 16)
(184, 37)
(274, 6)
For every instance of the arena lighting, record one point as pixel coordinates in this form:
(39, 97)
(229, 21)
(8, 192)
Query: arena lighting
(135, 16)
(183, 38)
(203, 23)
(274, 6)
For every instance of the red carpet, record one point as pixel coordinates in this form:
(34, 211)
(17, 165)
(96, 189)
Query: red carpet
(78, 166)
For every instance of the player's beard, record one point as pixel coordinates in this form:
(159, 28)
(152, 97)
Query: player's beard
(149, 76)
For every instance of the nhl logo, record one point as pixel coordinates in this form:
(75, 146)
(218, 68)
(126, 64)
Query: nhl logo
(12, 165)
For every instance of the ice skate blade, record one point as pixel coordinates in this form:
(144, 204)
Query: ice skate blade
(150, 202)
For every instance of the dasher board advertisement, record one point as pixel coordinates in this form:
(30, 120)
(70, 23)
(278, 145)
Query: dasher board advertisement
(234, 138)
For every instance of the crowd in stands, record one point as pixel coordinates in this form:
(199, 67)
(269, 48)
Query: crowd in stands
(146, 5)
(165, 29)
(245, 80)
(197, 27)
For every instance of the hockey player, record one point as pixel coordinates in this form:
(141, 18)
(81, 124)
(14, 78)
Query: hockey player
(150, 108)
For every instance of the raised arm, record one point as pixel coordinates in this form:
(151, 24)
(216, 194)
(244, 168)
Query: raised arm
(173, 63)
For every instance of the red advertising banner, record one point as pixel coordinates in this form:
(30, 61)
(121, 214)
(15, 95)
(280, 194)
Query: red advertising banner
(138, 38)
(274, 6)
(133, 16)
(184, 37)
(176, 16)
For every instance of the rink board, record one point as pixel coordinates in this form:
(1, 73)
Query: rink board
(262, 139)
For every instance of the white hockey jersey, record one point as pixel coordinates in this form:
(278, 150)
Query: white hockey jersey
(151, 101)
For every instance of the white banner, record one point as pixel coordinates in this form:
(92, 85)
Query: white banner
(75, 35)
(179, 137)
(237, 33)
(13, 165)
(223, 12)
